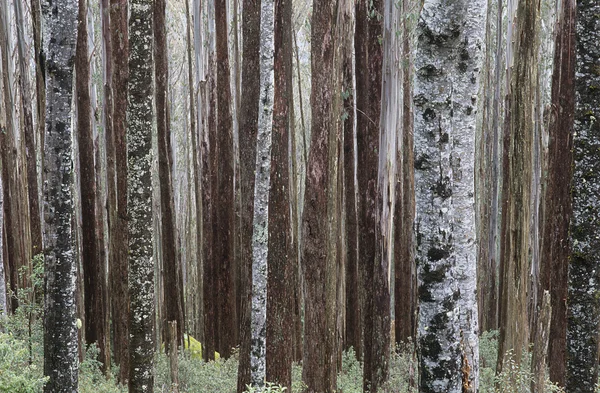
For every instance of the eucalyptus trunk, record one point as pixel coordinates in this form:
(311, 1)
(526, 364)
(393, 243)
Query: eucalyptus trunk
(448, 61)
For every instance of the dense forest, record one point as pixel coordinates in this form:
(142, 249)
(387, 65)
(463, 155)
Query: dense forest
(304, 196)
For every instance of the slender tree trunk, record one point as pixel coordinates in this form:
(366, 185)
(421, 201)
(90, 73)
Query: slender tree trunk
(3, 277)
(516, 188)
(353, 311)
(280, 294)
(224, 207)
(118, 214)
(261, 239)
(320, 240)
(139, 198)
(171, 259)
(584, 275)
(448, 61)
(29, 133)
(94, 272)
(248, 126)
(555, 251)
(40, 87)
(60, 266)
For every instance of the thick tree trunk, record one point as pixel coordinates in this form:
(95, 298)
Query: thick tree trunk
(584, 272)
(557, 211)
(320, 212)
(280, 291)
(29, 133)
(224, 198)
(139, 199)
(94, 270)
(516, 189)
(171, 260)
(60, 330)
(119, 266)
(261, 240)
(248, 126)
(447, 62)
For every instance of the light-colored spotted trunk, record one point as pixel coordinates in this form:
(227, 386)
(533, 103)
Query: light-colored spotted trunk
(139, 198)
(260, 235)
(60, 331)
(448, 62)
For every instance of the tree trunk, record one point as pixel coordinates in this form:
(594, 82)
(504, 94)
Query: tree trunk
(171, 260)
(224, 201)
(516, 188)
(540, 347)
(118, 215)
(29, 133)
(248, 126)
(557, 211)
(260, 233)
(447, 62)
(3, 277)
(60, 266)
(40, 87)
(320, 212)
(94, 270)
(139, 199)
(584, 275)
(353, 337)
(280, 288)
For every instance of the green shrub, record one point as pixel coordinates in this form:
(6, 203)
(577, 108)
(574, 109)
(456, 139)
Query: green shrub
(17, 375)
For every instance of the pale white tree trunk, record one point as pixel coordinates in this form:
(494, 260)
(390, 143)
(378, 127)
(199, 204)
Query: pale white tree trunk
(260, 235)
(448, 62)
(60, 331)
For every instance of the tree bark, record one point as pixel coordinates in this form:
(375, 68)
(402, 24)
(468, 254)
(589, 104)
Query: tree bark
(448, 61)
(320, 212)
(224, 207)
(584, 275)
(60, 266)
(516, 189)
(248, 126)
(171, 259)
(29, 133)
(119, 267)
(557, 211)
(540, 347)
(94, 270)
(280, 294)
(139, 198)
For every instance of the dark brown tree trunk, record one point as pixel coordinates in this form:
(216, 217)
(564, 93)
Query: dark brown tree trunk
(119, 54)
(224, 201)
(555, 250)
(248, 127)
(280, 294)
(353, 338)
(319, 222)
(171, 261)
(94, 271)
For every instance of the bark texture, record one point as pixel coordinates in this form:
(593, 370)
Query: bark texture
(280, 278)
(555, 249)
(248, 126)
(139, 198)
(94, 270)
(118, 227)
(260, 233)
(224, 198)
(516, 188)
(448, 61)
(584, 268)
(60, 330)
(319, 221)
